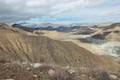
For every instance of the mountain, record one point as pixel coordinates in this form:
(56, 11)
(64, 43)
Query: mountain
(93, 34)
(30, 29)
(17, 46)
(105, 40)
(108, 32)
(28, 56)
(50, 26)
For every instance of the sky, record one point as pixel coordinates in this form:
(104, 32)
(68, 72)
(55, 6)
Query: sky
(66, 11)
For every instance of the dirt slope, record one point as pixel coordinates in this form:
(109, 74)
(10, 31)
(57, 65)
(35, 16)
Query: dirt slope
(110, 33)
(51, 34)
(113, 37)
(17, 46)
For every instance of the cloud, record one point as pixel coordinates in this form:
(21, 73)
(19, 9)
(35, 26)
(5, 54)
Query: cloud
(16, 10)
(111, 12)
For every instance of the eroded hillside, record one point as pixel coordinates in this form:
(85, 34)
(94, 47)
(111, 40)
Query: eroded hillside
(18, 46)
(23, 47)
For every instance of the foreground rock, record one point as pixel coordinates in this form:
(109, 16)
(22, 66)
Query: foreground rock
(13, 71)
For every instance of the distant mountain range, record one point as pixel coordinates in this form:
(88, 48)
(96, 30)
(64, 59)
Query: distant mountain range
(50, 26)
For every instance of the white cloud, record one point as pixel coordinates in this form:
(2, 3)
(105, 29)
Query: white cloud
(111, 12)
(61, 8)
(37, 8)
